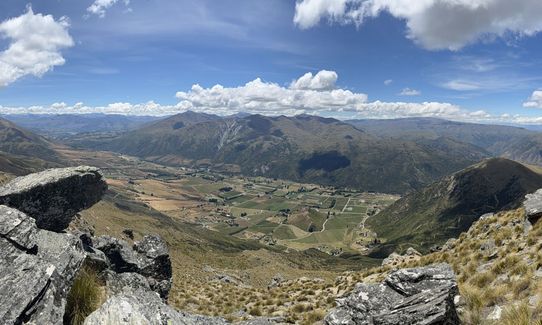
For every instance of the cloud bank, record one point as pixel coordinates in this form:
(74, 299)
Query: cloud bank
(433, 24)
(35, 45)
(310, 94)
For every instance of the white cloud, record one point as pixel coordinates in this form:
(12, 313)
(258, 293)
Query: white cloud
(410, 92)
(388, 82)
(434, 24)
(309, 13)
(461, 85)
(306, 94)
(535, 101)
(99, 7)
(323, 80)
(269, 98)
(35, 44)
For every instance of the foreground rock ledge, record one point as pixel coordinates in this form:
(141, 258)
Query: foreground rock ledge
(37, 268)
(409, 296)
(54, 196)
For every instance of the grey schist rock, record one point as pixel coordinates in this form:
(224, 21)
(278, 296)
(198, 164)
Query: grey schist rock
(533, 206)
(141, 306)
(53, 197)
(37, 269)
(148, 257)
(408, 296)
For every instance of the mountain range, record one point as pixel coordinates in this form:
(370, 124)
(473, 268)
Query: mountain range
(511, 142)
(301, 148)
(60, 125)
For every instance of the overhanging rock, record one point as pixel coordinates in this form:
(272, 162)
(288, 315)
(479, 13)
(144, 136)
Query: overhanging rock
(53, 197)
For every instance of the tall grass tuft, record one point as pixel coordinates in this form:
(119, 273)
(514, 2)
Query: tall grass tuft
(83, 298)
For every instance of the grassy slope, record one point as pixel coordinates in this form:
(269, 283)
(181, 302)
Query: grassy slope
(446, 208)
(193, 247)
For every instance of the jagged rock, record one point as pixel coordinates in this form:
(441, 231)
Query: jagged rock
(408, 296)
(276, 281)
(412, 252)
(450, 244)
(394, 259)
(118, 282)
(37, 268)
(149, 257)
(495, 314)
(533, 206)
(144, 307)
(54, 197)
(489, 249)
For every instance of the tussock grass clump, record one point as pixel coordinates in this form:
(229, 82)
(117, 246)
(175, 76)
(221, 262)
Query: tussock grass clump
(83, 298)
(517, 315)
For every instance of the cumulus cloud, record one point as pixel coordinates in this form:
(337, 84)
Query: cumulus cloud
(535, 101)
(409, 92)
(306, 94)
(388, 82)
(35, 45)
(323, 80)
(99, 7)
(434, 24)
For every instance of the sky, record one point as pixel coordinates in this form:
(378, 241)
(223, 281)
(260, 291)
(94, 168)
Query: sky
(469, 60)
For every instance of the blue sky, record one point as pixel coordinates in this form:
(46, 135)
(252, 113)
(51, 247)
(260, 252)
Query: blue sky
(144, 56)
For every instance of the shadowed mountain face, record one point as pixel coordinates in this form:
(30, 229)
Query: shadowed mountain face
(302, 148)
(506, 141)
(448, 207)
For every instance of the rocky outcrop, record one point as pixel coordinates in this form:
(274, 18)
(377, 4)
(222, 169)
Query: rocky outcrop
(148, 258)
(39, 260)
(407, 296)
(533, 206)
(37, 268)
(54, 196)
(396, 259)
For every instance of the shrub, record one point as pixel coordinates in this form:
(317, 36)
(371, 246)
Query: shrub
(83, 298)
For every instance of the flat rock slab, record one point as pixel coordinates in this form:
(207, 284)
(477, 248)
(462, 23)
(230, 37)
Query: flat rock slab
(53, 197)
(408, 296)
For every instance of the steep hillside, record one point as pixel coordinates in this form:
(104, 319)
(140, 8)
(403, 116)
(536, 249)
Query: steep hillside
(22, 151)
(448, 207)
(302, 148)
(510, 142)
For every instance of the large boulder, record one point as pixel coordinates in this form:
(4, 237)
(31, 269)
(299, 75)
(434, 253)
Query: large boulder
(53, 197)
(533, 206)
(37, 269)
(408, 296)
